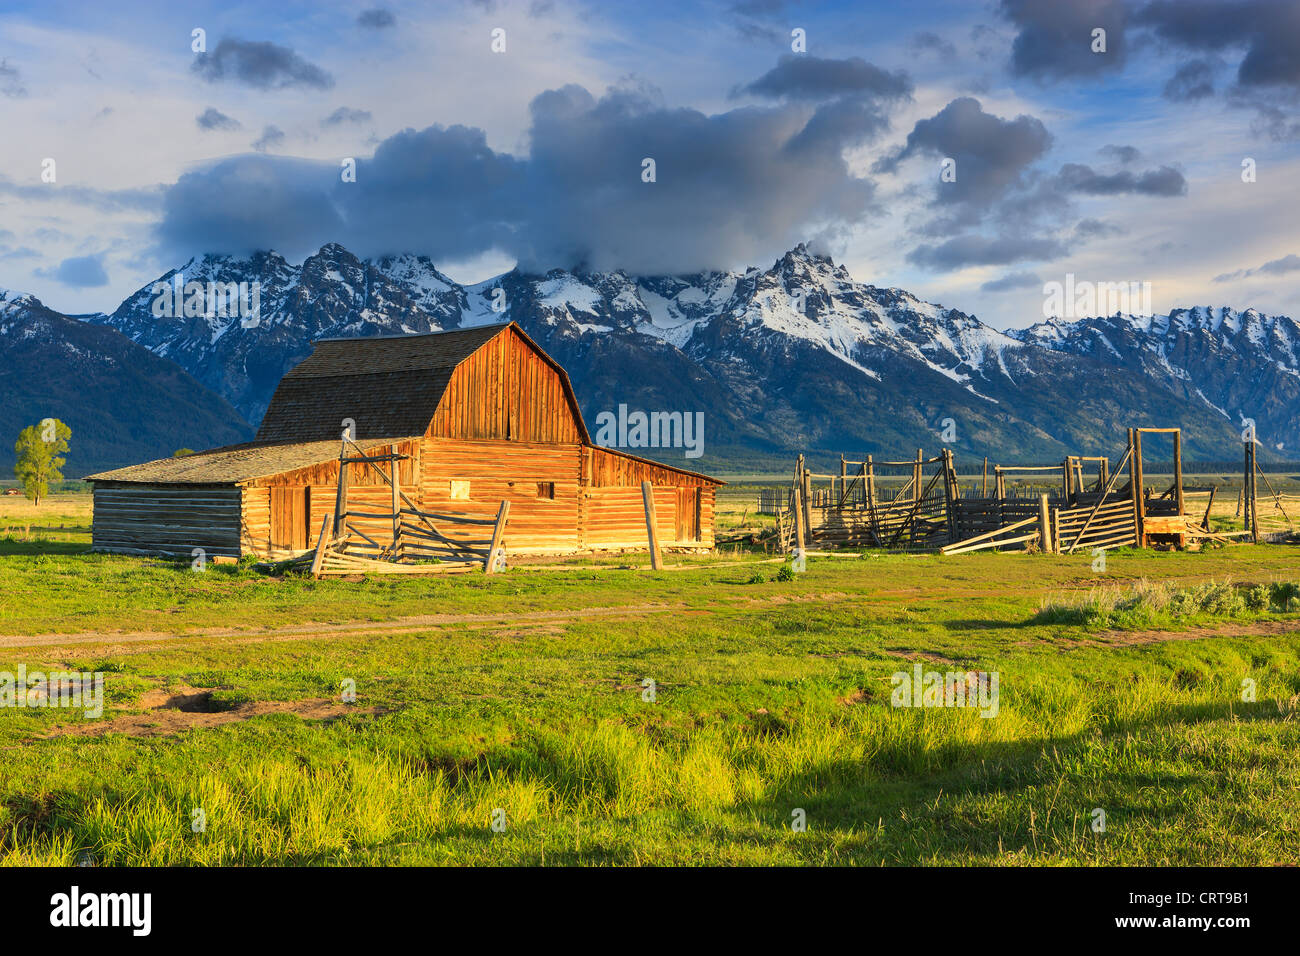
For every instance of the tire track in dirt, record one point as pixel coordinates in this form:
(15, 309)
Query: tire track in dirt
(128, 642)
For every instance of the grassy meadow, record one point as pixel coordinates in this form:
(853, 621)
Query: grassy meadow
(606, 714)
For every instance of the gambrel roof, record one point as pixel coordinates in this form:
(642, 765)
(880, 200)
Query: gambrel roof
(387, 385)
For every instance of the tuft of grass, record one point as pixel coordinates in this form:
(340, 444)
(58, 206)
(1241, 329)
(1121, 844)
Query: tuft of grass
(1147, 604)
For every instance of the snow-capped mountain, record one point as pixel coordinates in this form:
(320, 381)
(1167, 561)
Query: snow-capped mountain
(1244, 365)
(122, 403)
(798, 356)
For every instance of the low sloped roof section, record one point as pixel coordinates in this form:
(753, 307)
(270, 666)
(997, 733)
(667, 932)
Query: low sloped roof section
(383, 385)
(235, 464)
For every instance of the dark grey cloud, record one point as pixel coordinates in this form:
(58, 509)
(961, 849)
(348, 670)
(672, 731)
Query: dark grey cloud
(272, 136)
(1276, 267)
(82, 272)
(11, 81)
(260, 64)
(753, 32)
(346, 114)
(1277, 122)
(1013, 280)
(1054, 38)
(1087, 229)
(270, 203)
(1080, 178)
(1123, 154)
(1002, 207)
(1268, 31)
(766, 176)
(974, 250)
(806, 77)
(1191, 81)
(212, 118)
(376, 19)
(991, 153)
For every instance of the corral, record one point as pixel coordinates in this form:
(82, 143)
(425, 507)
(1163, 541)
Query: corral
(1085, 506)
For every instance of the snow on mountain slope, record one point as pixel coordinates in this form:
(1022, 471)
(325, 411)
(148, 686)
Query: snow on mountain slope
(794, 354)
(1242, 365)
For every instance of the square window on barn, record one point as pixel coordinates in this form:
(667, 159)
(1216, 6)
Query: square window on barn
(546, 489)
(460, 488)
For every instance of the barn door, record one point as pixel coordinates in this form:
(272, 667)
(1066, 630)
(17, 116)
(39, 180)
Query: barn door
(289, 518)
(688, 514)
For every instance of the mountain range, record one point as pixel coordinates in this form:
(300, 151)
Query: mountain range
(122, 402)
(795, 357)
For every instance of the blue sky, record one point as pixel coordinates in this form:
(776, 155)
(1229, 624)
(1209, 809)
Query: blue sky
(1123, 165)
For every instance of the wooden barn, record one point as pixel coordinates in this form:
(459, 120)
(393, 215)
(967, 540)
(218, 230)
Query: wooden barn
(477, 416)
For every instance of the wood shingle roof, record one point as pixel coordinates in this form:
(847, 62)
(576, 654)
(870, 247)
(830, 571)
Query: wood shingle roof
(385, 385)
(234, 464)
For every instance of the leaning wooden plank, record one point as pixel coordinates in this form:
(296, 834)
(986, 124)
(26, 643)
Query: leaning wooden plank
(1033, 535)
(456, 519)
(502, 514)
(647, 496)
(989, 534)
(322, 545)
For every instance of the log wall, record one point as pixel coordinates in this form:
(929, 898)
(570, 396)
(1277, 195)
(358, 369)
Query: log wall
(171, 519)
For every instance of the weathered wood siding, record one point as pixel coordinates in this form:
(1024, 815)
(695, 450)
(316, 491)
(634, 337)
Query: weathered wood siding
(171, 519)
(506, 391)
(367, 491)
(473, 477)
(614, 509)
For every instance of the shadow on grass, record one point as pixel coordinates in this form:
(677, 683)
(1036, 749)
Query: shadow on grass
(957, 801)
(13, 547)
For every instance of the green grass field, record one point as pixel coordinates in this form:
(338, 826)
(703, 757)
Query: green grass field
(524, 701)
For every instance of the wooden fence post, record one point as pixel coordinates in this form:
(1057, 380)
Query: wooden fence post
(1178, 469)
(1253, 495)
(806, 491)
(498, 532)
(1044, 525)
(916, 476)
(1139, 492)
(648, 496)
(397, 503)
(341, 493)
(950, 495)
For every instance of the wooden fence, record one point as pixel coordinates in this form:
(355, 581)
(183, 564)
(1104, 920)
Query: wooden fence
(403, 539)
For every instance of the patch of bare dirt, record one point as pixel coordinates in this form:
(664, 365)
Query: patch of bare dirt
(911, 654)
(169, 712)
(1201, 633)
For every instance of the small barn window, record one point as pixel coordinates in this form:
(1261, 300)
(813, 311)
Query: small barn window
(546, 489)
(460, 488)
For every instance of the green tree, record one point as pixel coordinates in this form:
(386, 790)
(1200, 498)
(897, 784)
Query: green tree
(182, 452)
(40, 450)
